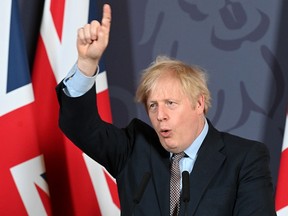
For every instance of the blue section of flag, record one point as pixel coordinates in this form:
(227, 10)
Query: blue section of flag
(43, 175)
(95, 14)
(101, 66)
(93, 11)
(18, 67)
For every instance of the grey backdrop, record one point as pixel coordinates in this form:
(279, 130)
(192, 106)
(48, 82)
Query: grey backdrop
(242, 44)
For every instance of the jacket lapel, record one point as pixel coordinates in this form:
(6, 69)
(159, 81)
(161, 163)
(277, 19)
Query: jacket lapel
(207, 164)
(161, 177)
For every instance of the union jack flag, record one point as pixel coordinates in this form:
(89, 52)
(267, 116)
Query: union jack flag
(282, 184)
(77, 185)
(23, 186)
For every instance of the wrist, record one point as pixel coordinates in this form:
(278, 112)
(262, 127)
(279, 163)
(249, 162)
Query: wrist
(87, 66)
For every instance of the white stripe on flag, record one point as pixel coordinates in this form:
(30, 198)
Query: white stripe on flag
(285, 138)
(105, 201)
(283, 211)
(101, 82)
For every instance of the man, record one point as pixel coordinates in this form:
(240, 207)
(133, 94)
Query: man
(229, 175)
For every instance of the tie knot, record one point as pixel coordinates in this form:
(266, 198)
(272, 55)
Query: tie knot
(178, 156)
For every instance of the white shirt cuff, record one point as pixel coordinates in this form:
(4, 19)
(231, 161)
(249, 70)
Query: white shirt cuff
(77, 83)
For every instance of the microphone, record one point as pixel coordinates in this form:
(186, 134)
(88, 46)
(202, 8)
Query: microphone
(185, 189)
(139, 193)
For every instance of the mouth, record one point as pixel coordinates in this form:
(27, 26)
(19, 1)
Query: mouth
(165, 133)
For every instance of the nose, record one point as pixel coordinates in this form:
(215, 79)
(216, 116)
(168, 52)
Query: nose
(162, 114)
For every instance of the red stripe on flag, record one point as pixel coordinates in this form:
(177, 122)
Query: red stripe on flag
(18, 136)
(113, 189)
(45, 200)
(57, 11)
(282, 184)
(103, 104)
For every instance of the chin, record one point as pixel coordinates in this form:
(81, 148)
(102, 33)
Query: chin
(171, 148)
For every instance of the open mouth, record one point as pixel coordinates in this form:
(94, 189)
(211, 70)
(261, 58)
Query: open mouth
(165, 133)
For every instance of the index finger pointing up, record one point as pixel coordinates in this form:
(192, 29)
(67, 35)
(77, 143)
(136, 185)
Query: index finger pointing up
(106, 18)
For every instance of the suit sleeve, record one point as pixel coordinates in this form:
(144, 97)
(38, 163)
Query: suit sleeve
(255, 193)
(81, 123)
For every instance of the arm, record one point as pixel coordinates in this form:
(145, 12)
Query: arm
(78, 117)
(80, 122)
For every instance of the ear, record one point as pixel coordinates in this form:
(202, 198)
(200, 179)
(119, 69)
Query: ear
(200, 104)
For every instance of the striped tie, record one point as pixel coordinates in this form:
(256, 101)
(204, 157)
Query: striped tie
(175, 184)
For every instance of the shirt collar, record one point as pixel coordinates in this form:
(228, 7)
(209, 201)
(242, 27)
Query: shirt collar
(192, 150)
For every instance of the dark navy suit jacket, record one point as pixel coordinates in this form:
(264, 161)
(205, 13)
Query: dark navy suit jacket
(230, 176)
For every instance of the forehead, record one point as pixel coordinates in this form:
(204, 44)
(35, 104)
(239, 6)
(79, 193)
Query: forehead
(166, 86)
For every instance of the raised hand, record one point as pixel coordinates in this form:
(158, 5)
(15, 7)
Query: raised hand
(92, 40)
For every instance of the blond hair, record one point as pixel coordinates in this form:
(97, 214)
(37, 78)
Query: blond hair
(193, 80)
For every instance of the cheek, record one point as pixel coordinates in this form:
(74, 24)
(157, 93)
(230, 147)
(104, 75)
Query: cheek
(186, 123)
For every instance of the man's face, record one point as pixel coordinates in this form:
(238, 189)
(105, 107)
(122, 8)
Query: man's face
(174, 118)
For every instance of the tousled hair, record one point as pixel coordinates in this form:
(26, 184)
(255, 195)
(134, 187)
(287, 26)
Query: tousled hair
(193, 80)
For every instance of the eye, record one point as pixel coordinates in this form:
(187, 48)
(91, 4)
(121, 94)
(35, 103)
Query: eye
(171, 104)
(152, 106)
